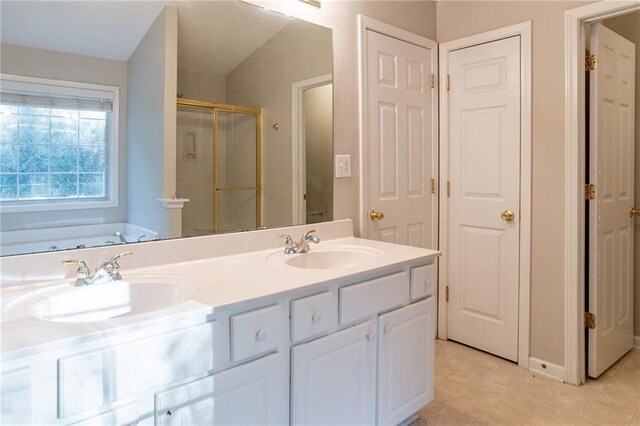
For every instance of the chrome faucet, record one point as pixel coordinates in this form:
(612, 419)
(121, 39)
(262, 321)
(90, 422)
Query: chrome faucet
(119, 235)
(108, 272)
(302, 246)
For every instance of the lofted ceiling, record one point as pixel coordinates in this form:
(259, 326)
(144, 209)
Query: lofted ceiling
(213, 36)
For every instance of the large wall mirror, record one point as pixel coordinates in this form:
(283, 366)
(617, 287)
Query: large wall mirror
(134, 121)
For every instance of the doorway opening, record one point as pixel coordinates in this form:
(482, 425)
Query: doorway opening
(312, 171)
(576, 264)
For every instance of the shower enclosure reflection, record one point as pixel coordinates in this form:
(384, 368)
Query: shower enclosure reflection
(219, 167)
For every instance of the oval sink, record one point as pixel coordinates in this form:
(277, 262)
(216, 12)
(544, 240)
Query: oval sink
(333, 257)
(104, 301)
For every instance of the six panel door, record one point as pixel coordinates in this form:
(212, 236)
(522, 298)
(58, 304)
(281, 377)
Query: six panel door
(611, 169)
(401, 150)
(484, 173)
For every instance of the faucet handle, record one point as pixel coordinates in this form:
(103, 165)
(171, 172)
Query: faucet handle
(310, 231)
(287, 237)
(114, 259)
(83, 270)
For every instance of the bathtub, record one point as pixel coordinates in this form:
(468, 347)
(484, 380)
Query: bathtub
(69, 237)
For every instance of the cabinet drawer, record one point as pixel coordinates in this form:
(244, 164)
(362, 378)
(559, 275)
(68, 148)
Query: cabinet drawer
(256, 332)
(361, 300)
(423, 281)
(95, 378)
(313, 315)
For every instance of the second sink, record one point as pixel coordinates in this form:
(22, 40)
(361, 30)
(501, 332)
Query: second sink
(332, 257)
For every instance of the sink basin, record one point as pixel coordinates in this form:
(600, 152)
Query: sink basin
(332, 257)
(135, 295)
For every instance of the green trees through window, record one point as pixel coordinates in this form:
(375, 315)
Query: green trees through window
(52, 153)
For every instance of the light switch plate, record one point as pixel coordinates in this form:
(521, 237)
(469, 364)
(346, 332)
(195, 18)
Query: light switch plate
(343, 166)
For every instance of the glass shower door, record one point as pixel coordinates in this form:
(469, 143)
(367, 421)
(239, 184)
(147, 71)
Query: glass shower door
(237, 186)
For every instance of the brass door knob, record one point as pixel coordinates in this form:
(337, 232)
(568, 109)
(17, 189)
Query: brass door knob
(508, 216)
(374, 215)
(634, 212)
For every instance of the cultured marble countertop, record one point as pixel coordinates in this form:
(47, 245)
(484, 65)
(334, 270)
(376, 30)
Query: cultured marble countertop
(219, 282)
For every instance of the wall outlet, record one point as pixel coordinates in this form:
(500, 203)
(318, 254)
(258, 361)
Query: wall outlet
(343, 166)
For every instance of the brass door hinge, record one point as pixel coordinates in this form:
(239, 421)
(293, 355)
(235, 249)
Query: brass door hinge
(432, 80)
(448, 82)
(589, 320)
(448, 189)
(433, 186)
(591, 62)
(590, 191)
(446, 294)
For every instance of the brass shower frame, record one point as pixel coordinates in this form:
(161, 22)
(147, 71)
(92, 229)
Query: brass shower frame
(215, 108)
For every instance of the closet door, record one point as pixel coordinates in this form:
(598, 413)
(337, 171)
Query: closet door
(483, 232)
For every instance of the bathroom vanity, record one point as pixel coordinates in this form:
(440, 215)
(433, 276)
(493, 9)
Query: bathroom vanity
(224, 329)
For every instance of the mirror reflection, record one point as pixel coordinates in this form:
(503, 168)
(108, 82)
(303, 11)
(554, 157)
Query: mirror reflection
(192, 118)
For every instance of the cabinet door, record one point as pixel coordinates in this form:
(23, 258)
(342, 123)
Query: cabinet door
(406, 361)
(251, 394)
(333, 379)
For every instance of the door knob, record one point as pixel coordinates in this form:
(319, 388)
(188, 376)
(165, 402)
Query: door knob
(374, 215)
(634, 212)
(508, 216)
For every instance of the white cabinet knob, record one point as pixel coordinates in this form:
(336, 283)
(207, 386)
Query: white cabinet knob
(261, 335)
(387, 329)
(316, 318)
(370, 336)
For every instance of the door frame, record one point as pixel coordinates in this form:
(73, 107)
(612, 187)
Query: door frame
(523, 30)
(299, 146)
(368, 24)
(575, 119)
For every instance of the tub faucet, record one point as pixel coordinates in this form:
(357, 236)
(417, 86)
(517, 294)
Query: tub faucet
(118, 234)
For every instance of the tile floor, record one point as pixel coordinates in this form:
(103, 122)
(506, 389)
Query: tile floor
(473, 387)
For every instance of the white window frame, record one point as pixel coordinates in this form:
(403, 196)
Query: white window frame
(69, 88)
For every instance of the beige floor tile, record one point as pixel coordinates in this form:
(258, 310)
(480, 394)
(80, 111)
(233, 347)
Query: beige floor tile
(478, 388)
(633, 357)
(607, 411)
(636, 419)
(457, 412)
(431, 408)
(561, 410)
(504, 413)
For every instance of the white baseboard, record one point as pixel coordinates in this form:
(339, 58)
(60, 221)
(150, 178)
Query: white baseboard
(547, 369)
(636, 342)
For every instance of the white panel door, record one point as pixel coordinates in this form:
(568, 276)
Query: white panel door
(246, 395)
(333, 379)
(400, 146)
(611, 169)
(484, 203)
(406, 364)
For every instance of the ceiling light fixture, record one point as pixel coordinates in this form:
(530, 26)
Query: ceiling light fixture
(315, 3)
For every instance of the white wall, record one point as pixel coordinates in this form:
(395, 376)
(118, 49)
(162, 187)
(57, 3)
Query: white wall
(201, 86)
(628, 26)
(152, 70)
(40, 63)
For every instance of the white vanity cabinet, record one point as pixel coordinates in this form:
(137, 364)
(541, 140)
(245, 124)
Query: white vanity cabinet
(355, 350)
(379, 371)
(333, 379)
(245, 395)
(406, 361)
